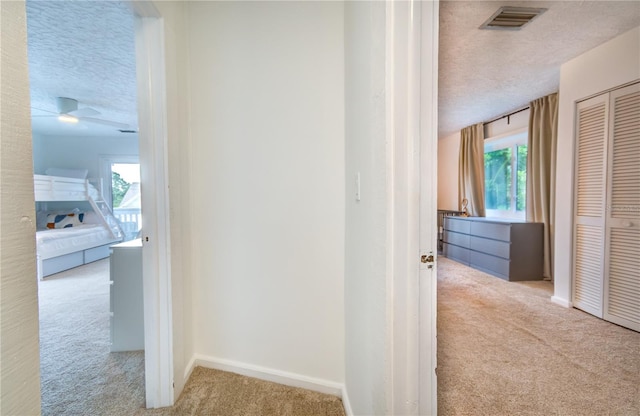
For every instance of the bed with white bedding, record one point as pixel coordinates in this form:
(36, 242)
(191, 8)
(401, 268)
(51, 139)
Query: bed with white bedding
(70, 238)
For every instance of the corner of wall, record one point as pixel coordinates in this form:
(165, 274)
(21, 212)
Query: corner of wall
(561, 302)
(268, 374)
(345, 402)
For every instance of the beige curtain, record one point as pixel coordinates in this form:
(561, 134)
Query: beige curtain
(541, 170)
(471, 169)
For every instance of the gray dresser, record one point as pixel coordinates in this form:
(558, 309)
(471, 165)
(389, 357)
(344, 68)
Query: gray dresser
(509, 249)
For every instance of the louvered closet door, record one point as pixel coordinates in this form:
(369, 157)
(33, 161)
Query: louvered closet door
(622, 265)
(591, 169)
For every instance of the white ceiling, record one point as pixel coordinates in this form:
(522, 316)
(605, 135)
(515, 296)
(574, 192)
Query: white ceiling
(484, 74)
(85, 50)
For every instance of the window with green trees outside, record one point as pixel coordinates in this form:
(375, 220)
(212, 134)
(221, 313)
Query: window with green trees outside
(505, 175)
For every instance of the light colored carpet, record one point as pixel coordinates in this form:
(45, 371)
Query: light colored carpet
(218, 393)
(505, 349)
(79, 375)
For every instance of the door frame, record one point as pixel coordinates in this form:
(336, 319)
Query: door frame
(154, 172)
(428, 78)
(412, 68)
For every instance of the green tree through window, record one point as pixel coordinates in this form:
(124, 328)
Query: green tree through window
(505, 176)
(497, 174)
(521, 180)
(119, 187)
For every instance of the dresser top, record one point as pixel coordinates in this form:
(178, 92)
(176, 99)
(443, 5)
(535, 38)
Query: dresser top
(491, 219)
(129, 244)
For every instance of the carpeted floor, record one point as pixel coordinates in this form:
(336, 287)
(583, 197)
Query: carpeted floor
(218, 393)
(79, 376)
(505, 349)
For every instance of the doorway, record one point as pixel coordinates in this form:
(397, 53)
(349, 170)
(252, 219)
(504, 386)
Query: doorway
(75, 304)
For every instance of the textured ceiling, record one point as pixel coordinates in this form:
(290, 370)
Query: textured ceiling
(487, 73)
(83, 50)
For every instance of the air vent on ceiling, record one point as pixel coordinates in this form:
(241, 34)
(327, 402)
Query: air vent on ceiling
(511, 18)
(128, 131)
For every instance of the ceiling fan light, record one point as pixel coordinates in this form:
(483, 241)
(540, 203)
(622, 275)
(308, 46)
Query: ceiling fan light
(65, 118)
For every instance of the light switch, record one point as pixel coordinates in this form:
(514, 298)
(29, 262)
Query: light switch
(358, 186)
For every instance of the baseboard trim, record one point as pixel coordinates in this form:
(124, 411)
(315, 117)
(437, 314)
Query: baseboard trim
(346, 403)
(189, 369)
(561, 302)
(268, 374)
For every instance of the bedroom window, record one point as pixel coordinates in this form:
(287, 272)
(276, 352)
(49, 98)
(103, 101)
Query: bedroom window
(125, 197)
(505, 175)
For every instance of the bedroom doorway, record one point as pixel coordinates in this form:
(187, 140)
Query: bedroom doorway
(97, 92)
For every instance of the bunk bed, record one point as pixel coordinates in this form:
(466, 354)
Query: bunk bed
(71, 237)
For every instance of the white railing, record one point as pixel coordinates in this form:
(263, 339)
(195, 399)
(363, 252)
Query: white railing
(130, 220)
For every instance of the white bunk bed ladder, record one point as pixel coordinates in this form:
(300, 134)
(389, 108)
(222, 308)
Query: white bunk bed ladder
(101, 207)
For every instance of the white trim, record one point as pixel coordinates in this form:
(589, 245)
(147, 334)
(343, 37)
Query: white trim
(403, 138)
(268, 374)
(346, 404)
(156, 253)
(189, 369)
(428, 168)
(389, 162)
(561, 302)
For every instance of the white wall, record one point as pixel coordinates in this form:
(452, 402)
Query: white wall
(267, 193)
(609, 65)
(366, 220)
(449, 152)
(79, 152)
(19, 352)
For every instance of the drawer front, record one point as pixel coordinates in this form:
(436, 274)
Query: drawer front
(457, 239)
(491, 230)
(494, 265)
(488, 246)
(58, 264)
(456, 224)
(456, 253)
(96, 253)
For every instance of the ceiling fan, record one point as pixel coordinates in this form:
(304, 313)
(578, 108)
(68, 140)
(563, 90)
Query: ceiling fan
(68, 112)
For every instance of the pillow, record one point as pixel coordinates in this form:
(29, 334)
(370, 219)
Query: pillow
(67, 220)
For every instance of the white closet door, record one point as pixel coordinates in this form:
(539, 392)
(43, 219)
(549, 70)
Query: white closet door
(589, 224)
(622, 266)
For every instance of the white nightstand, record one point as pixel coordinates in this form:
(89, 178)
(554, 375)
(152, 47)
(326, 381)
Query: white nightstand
(126, 300)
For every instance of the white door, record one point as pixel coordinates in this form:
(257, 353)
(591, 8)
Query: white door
(156, 256)
(607, 211)
(622, 267)
(588, 234)
(428, 206)
(412, 104)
